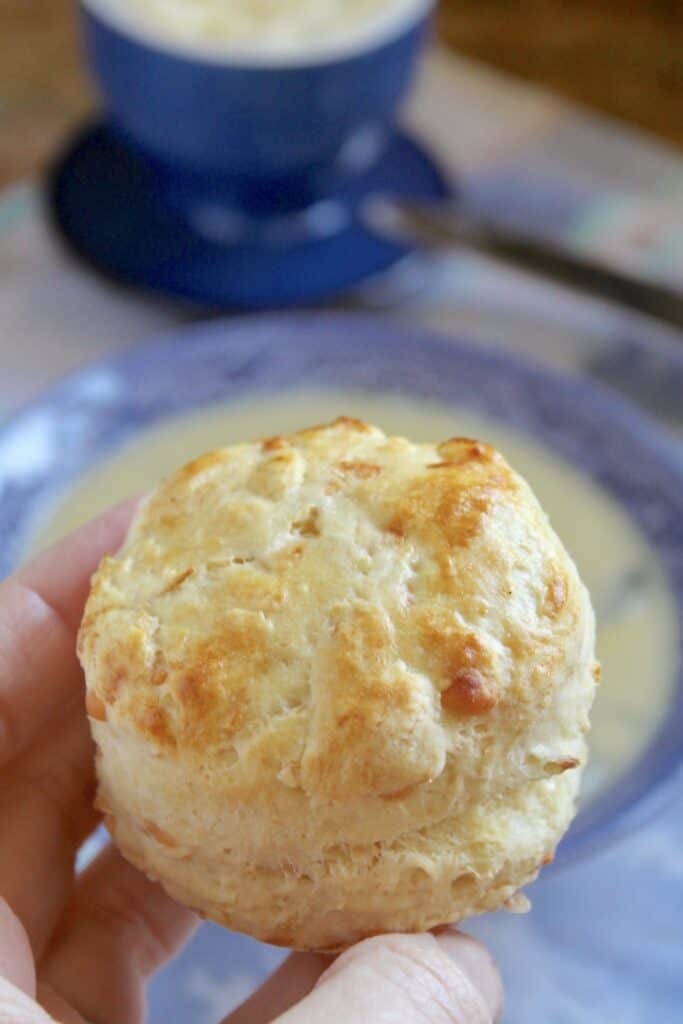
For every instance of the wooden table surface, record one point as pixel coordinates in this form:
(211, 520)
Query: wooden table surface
(624, 57)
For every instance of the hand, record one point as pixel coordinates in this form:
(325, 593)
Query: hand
(80, 949)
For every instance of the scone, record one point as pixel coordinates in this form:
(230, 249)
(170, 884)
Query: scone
(339, 685)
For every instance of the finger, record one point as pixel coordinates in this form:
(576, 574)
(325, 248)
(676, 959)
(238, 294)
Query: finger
(40, 609)
(46, 812)
(16, 959)
(477, 964)
(445, 979)
(293, 980)
(62, 573)
(119, 929)
(57, 1007)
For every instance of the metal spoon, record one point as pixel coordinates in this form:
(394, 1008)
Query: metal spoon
(437, 225)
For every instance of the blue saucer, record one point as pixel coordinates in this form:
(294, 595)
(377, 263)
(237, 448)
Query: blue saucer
(108, 205)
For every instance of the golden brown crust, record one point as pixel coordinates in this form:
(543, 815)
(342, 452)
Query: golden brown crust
(365, 470)
(365, 702)
(470, 693)
(273, 444)
(158, 834)
(314, 650)
(95, 708)
(447, 507)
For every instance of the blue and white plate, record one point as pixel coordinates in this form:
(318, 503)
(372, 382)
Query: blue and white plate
(89, 415)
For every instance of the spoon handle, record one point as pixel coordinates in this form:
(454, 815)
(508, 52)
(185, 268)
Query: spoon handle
(439, 225)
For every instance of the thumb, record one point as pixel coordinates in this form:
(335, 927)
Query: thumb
(416, 979)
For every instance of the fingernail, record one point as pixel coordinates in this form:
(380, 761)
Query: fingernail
(476, 962)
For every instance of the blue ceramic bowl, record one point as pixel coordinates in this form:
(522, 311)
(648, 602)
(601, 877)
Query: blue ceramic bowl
(268, 130)
(88, 415)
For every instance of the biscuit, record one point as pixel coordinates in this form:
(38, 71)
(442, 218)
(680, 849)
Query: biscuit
(339, 685)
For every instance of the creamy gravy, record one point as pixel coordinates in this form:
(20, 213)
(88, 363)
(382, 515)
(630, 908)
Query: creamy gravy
(260, 28)
(638, 639)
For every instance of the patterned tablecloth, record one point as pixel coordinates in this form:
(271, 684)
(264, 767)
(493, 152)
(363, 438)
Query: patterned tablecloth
(604, 942)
